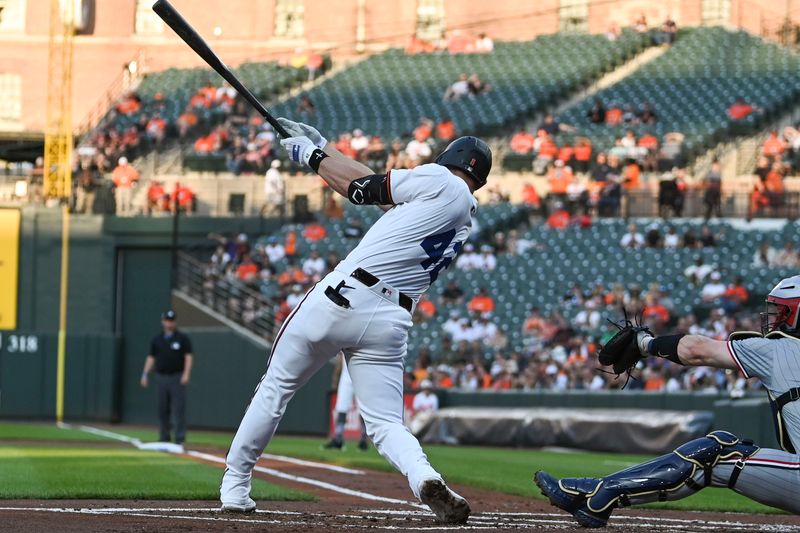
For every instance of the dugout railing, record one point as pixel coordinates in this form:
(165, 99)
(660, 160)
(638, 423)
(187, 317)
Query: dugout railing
(224, 295)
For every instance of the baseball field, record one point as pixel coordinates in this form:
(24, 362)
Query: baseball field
(78, 477)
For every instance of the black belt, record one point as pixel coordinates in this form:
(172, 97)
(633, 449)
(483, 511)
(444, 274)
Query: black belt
(369, 280)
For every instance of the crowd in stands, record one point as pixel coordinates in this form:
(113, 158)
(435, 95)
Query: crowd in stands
(454, 42)
(473, 350)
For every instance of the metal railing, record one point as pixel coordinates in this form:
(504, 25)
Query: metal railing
(225, 296)
(732, 205)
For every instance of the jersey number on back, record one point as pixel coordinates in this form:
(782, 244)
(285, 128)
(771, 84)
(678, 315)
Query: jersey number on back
(435, 246)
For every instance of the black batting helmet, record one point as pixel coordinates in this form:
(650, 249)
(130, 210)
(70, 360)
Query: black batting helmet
(469, 154)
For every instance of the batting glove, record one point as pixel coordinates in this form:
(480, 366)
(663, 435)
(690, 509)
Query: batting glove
(299, 148)
(298, 129)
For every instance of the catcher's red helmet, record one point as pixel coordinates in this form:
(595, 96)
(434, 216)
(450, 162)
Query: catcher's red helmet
(783, 308)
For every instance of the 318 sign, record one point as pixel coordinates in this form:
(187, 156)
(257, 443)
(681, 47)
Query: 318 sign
(19, 343)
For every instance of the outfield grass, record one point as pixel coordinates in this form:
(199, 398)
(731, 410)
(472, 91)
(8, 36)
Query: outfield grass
(507, 470)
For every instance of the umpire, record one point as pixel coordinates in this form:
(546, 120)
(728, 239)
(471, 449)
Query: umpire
(171, 355)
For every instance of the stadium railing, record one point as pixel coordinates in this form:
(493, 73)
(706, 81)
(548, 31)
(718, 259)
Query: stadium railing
(227, 298)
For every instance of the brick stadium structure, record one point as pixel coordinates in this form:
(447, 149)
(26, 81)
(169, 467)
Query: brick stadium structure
(249, 30)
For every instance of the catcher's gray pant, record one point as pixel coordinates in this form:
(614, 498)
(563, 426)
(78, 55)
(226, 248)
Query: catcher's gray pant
(372, 332)
(769, 476)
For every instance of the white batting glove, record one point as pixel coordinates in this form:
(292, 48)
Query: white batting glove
(298, 129)
(299, 148)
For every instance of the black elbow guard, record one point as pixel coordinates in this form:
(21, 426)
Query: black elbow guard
(372, 189)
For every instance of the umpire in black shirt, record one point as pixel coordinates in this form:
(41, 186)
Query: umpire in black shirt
(171, 356)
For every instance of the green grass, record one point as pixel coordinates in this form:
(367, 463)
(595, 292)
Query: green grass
(69, 471)
(507, 470)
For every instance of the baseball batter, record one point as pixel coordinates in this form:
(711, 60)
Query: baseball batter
(719, 459)
(364, 307)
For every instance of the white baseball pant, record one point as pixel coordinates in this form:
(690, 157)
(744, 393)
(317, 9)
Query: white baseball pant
(373, 334)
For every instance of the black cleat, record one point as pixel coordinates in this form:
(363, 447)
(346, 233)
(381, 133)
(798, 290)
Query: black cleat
(334, 444)
(362, 445)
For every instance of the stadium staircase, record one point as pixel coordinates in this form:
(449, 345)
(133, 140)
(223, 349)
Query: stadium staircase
(693, 83)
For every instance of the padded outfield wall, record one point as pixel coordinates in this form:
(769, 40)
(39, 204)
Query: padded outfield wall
(119, 285)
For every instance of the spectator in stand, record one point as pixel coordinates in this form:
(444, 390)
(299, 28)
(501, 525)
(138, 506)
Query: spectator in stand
(583, 154)
(713, 289)
(653, 236)
(600, 170)
(488, 261)
(712, 197)
(274, 191)
(129, 104)
(640, 24)
(632, 239)
(125, 178)
(577, 196)
(698, 271)
(765, 255)
(425, 309)
(530, 196)
(628, 117)
(667, 34)
(305, 105)
(773, 186)
(740, 110)
(86, 189)
(551, 126)
(458, 89)
(354, 229)
(613, 115)
(481, 302)
(774, 146)
(668, 195)
(397, 157)
(707, 238)
(589, 316)
(671, 240)
(648, 146)
(670, 155)
(646, 115)
(417, 152)
(597, 113)
(375, 153)
(655, 314)
(559, 178)
(314, 231)
(469, 259)
(476, 86)
(274, 250)
(484, 44)
(425, 401)
(314, 266)
(735, 296)
(157, 198)
(186, 123)
(522, 142)
(182, 198)
(247, 270)
(452, 294)
(446, 130)
(788, 257)
(358, 143)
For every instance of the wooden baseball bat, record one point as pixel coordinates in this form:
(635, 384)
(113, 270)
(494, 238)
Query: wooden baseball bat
(174, 20)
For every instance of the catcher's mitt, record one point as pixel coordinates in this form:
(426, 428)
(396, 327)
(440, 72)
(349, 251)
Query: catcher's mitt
(622, 350)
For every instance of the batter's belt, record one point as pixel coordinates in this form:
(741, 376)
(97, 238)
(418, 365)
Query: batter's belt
(370, 280)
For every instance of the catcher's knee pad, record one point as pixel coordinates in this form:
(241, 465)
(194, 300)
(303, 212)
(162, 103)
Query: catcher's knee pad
(663, 475)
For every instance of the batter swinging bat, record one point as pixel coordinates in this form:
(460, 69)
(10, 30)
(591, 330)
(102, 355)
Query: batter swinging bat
(174, 20)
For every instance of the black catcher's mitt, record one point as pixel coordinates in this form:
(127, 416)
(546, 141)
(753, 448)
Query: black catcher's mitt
(622, 350)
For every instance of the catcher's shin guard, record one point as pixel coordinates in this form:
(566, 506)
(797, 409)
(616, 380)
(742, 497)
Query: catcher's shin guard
(669, 477)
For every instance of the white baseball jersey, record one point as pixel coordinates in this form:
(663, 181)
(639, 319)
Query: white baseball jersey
(412, 242)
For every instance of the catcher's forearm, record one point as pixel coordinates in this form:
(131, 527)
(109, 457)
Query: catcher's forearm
(666, 346)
